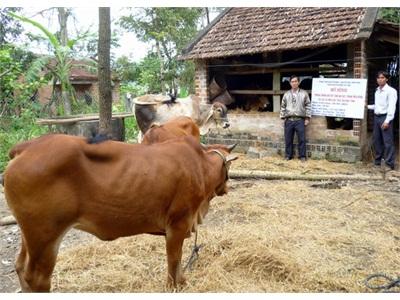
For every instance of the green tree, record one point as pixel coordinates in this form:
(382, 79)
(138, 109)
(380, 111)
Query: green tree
(10, 28)
(391, 14)
(127, 70)
(169, 30)
(18, 108)
(60, 70)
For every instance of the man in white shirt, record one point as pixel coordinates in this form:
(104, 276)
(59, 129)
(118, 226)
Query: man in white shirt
(384, 110)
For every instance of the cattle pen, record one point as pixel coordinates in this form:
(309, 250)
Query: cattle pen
(264, 236)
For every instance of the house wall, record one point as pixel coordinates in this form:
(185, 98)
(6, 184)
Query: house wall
(265, 130)
(44, 93)
(201, 80)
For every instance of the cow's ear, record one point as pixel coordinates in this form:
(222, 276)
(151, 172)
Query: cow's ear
(231, 157)
(231, 147)
(204, 146)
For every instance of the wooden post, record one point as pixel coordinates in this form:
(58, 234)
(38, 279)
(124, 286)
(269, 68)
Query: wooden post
(276, 85)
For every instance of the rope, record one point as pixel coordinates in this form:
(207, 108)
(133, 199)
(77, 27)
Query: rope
(195, 254)
(390, 282)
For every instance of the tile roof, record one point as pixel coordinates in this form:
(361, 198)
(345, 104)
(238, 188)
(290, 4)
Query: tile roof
(242, 30)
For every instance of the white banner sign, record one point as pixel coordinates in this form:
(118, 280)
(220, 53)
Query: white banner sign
(338, 97)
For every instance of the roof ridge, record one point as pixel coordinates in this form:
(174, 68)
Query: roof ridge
(203, 32)
(237, 31)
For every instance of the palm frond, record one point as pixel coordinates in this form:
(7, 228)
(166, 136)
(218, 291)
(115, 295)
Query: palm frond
(37, 68)
(52, 38)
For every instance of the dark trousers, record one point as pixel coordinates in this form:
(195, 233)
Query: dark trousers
(383, 142)
(290, 128)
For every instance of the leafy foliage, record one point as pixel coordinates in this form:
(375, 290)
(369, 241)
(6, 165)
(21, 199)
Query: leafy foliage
(18, 108)
(10, 29)
(60, 70)
(391, 14)
(169, 30)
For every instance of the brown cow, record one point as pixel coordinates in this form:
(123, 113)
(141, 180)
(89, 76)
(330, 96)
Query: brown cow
(180, 126)
(177, 127)
(111, 190)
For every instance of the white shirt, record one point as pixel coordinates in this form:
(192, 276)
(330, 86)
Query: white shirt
(385, 102)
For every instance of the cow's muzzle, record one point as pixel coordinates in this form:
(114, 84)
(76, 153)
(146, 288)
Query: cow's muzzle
(225, 125)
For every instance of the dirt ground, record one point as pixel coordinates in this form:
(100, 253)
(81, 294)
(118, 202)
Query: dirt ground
(328, 238)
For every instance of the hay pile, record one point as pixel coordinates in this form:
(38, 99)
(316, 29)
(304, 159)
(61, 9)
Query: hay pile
(264, 236)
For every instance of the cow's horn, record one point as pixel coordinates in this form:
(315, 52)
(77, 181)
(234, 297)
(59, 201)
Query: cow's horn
(231, 147)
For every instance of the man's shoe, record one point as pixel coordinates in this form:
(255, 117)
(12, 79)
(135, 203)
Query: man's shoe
(303, 159)
(287, 158)
(387, 168)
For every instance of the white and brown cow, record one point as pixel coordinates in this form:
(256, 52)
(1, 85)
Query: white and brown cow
(149, 110)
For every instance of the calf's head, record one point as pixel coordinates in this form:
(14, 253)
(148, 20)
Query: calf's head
(224, 152)
(220, 114)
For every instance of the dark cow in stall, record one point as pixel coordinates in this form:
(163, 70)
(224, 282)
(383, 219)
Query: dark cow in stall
(111, 190)
(150, 109)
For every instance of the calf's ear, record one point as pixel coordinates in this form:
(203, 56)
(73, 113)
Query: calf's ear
(231, 157)
(204, 146)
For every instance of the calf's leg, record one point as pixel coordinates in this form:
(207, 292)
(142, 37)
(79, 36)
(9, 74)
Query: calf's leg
(20, 265)
(174, 242)
(38, 258)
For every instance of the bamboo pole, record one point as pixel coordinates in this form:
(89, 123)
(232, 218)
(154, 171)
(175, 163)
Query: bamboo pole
(9, 220)
(77, 119)
(256, 174)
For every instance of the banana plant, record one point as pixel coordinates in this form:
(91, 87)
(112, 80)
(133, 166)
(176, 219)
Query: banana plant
(60, 70)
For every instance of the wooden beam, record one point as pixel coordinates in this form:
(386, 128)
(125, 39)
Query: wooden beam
(285, 70)
(78, 119)
(388, 38)
(259, 92)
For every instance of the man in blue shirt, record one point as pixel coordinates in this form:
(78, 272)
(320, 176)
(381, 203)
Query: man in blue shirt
(384, 110)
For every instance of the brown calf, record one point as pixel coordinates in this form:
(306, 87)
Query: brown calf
(180, 126)
(110, 190)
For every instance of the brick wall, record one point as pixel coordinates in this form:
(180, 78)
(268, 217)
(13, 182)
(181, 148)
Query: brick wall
(266, 131)
(360, 70)
(44, 94)
(201, 81)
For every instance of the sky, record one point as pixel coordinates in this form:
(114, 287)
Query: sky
(84, 18)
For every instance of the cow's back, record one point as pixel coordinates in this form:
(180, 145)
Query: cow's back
(177, 127)
(144, 186)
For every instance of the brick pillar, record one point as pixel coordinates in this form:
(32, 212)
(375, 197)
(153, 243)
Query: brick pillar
(360, 70)
(201, 80)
